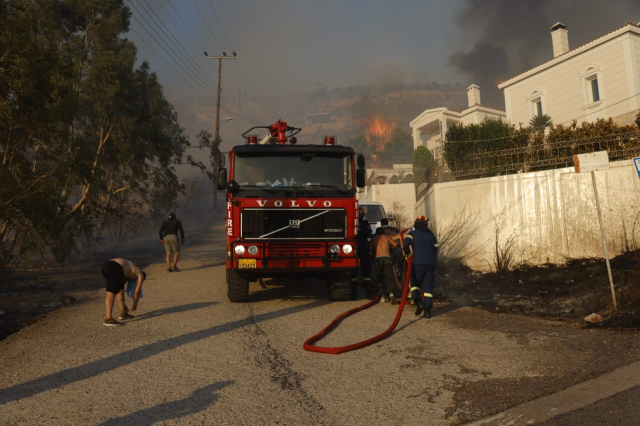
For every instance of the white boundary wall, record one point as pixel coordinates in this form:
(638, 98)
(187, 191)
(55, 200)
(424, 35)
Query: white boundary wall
(387, 194)
(551, 213)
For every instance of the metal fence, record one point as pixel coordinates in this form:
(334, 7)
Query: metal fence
(535, 156)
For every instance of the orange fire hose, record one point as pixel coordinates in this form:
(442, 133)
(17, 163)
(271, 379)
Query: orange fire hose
(308, 345)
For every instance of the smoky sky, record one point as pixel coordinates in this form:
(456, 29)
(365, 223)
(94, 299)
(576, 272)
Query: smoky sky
(507, 37)
(285, 47)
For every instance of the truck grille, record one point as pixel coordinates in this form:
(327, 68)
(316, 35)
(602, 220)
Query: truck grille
(294, 223)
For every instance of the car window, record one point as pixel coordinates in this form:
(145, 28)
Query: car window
(373, 213)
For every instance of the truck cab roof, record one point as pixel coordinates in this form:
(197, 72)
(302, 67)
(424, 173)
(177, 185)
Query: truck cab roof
(294, 149)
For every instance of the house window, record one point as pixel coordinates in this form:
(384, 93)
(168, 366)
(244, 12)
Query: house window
(591, 83)
(536, 107)
(594, 92)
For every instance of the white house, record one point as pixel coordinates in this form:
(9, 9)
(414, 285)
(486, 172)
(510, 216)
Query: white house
(430, 127)
(599, 79)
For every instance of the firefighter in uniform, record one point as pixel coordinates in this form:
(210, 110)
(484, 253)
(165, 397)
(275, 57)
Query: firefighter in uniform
(362, 242)
(425, 248)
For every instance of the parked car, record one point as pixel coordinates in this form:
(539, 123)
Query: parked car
(374, 212)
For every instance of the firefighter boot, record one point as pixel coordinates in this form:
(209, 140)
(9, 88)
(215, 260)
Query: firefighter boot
(419, 307)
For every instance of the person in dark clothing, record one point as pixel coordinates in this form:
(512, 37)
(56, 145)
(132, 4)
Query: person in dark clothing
(169, 237)
(362, 243)
(425, 248)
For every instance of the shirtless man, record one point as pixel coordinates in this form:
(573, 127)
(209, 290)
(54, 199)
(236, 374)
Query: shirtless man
(384, 265)
(118, 272)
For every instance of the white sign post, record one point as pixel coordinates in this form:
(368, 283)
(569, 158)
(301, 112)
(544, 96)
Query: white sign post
(590, 163)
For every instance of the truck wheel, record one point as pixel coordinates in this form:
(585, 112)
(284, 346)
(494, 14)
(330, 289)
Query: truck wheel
(339, 289)
(237, 287)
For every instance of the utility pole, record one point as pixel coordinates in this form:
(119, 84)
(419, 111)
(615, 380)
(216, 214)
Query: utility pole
(216, 137)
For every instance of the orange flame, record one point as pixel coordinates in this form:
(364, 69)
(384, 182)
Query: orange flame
(378, 132)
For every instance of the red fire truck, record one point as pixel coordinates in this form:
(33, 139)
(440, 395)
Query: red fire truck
(291, 211)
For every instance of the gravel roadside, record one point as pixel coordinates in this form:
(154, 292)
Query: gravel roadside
(192, 357)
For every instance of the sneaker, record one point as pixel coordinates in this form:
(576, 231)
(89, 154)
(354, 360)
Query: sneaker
(125, 316)
(111, 323)
(384, 299)
(169, 270)
(175, 269)
(392, 298)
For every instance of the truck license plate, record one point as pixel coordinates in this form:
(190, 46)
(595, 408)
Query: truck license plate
(246, 263)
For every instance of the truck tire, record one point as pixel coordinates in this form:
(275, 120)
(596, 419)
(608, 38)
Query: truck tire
(237, 287)
(339, 289)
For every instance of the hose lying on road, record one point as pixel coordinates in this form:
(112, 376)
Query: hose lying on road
(308, 345)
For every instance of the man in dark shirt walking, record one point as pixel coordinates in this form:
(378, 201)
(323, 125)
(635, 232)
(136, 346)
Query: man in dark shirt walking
(169, 237)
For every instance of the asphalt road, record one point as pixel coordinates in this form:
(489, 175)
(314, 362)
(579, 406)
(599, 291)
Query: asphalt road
(192, 357)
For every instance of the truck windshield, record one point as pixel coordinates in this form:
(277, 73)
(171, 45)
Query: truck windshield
(306, 174)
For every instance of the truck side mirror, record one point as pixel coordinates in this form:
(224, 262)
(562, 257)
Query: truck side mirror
(222, 179)
(360, 178)
(221, 161)
(360, 161)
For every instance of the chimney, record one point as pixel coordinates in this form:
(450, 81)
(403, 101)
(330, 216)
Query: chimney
(473, 94)
(560, 39)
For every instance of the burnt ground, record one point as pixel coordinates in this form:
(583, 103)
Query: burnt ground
(567, 292)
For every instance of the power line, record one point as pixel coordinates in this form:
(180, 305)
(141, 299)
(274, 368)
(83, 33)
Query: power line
(165, 62)
(183, 79)
(202, 49)
(180, 48)
(228, 41)
(187, 27)
(196, 79)
(205, 83)
(217, 42)
(210, 30)
(219, 23)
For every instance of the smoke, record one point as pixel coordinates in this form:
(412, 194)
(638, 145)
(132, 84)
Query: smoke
(513, 36)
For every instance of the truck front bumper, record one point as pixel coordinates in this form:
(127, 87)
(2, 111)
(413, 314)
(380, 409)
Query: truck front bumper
(290, 256)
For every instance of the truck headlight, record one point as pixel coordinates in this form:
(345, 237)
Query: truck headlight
(239, 250)
(335, 249)
(252, 250)
(347, 249)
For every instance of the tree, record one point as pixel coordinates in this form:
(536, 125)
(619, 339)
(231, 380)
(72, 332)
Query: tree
(361, 146)
(422, 158)
(400, 146)
(540, 121)
(84, 135)
(492, 135)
